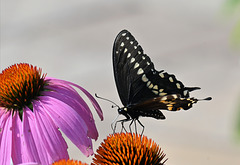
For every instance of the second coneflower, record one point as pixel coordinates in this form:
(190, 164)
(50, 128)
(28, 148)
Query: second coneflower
(69, 162)
(129, 149)
(33, 108)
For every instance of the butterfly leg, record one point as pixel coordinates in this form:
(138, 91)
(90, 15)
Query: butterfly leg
(134, 120)
(122, 123)
(130, 126)
(123, 128)
(135, 126)
(114, 121)
(142, 127)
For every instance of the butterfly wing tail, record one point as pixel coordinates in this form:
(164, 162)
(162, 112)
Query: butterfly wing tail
(190, 89)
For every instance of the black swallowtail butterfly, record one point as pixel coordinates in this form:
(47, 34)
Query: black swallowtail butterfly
(142, 89)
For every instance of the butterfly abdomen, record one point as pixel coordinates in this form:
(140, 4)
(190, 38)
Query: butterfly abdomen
(154, 113)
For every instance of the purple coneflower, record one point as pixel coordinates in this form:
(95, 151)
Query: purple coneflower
(33, 108)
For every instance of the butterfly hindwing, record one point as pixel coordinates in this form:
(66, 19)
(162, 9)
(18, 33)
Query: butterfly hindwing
(135, 75)
(150, 108)
(171, 102)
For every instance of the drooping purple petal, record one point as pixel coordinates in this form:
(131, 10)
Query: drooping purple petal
(34, 145)
(24, 141)
(5, 137)
(78, 104)
(49, 134)
(20, 152)
(29, 163)
(69, 121)
(17, 140)
(91, 98)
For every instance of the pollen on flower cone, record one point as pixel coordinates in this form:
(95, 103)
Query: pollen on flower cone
(69, 162)
(129, 149)
(19, 84)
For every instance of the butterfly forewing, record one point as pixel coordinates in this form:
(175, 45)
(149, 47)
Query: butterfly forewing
(135, 75)
(126, 65)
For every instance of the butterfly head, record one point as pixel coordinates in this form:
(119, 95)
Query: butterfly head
(123, 111)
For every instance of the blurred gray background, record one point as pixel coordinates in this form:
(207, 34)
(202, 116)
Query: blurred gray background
(72, 40)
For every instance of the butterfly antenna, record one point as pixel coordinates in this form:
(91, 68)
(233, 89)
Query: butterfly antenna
(115, 105)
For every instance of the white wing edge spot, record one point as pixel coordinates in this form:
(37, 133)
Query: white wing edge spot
(155, 87)
(148, 83)
(144, 78)
(161, 75)
(164, 98)
(162, 94)
(129, 55)
(174, 96)
(178, 85)
(136, 65)
(140, 71)
(132, 60)
(150, 86)
(155, 92)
